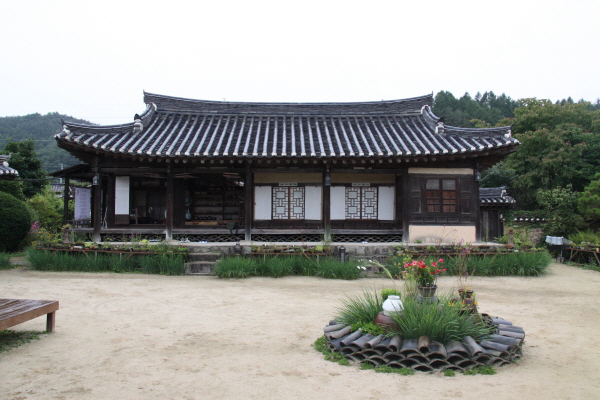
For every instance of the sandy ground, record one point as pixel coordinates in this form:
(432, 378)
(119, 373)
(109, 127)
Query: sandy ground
(155, 337)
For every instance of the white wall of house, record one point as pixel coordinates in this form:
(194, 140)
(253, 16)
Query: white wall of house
(122, 195)
(263, 202)
(313, 202)
(386, 203)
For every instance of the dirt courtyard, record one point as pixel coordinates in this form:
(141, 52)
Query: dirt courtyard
(156, 337)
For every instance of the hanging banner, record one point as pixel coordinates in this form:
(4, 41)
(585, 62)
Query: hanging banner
(83, 203)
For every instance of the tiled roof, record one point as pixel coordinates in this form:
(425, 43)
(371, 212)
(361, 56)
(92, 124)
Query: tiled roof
(182, 128)
(7, 172)
(495, 195)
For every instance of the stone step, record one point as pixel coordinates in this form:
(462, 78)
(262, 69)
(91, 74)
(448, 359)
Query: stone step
(200, 268)
(193, 257)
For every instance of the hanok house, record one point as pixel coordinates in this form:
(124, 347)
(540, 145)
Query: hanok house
(7, 172)
(494, 202)
(384, 171)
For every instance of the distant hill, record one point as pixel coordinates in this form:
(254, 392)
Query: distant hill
(40, 128)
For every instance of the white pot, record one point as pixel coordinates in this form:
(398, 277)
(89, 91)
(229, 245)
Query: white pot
(393, 305)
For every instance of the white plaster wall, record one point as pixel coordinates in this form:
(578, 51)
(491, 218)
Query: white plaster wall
(441, 234)
(385, 203)
(313, 202)
(338, 202)
(262, 202)
(122, 195)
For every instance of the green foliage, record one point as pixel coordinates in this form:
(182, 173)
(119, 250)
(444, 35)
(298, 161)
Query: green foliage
(235, 267)
(25, 160)
(10, 339)
(5, 261)
(449, 372)
(587, 236)
(278, 266)
(369, 328)
(14, 188)
(360, 310)
(519, 264)
(391, 370)
(441, 324)
(559, 144)
(389, 292)
(15, 222)
(560, 205)
(321, 346)
(331, 268)
(483, 370)
(589, 200)
(498, 175)
(484, 110)
(163, 264)
(47, 208)
(42, 129)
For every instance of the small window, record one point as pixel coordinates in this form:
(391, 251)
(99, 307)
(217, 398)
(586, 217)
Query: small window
(441, 201)
(361, 202)
(288, 202)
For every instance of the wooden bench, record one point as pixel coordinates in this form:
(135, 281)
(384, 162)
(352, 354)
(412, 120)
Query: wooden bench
(16, 311)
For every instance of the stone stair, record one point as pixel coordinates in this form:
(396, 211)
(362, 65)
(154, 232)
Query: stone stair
(200, 263)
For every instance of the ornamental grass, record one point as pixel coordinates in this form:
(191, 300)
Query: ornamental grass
(441, 321)
(279, 266)
(515, 263)
(162, 264)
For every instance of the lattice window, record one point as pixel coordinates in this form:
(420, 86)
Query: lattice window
(361, 202)
(288, 202)
(441, 195)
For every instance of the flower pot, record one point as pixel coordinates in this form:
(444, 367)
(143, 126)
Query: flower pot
(387, 323)
(392, 305)
(427, 291)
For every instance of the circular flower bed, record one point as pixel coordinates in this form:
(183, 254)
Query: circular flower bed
(503, 346)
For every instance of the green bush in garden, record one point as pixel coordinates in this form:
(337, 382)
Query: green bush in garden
(15, 221)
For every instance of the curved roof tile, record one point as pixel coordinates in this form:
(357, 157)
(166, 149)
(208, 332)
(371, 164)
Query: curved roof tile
(175, 127)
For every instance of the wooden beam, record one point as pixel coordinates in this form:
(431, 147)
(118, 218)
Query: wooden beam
(170, 206)
(66, 200)
(248, 204)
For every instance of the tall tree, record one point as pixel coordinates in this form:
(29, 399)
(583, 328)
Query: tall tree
(560, 145)
(25, 160)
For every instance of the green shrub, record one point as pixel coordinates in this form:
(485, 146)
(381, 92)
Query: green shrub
(587, 236)
(48, 209)
(389, 292)
(5, 261)
(15, 222)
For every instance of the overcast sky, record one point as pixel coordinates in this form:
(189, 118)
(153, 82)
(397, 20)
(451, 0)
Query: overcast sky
(92, 60)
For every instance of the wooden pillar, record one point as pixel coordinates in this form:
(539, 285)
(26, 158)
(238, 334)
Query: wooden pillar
(406, 199)
(399, 201)
(327, 205)
(170, 207)
(248, 202)
(66, 200)
(109, 215)
(97, 208)
(476, 205)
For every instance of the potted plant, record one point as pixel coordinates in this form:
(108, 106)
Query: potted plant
(425, 274)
